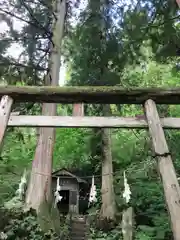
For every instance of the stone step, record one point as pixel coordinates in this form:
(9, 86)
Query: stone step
(75, 226)
(78, 229)
(79, 221)
(78, 232)
(78, 238)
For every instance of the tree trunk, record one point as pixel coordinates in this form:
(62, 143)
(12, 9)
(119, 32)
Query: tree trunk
(39, 189)
(178, 2)
(78, 110)
(107, 189)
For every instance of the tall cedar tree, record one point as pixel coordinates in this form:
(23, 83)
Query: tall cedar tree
(39, 189)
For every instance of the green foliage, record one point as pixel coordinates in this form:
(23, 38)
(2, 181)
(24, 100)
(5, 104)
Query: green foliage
(150, 74)
(20, 225)
(71, 148)
(122, 50)
(17, 154)
(110, 235)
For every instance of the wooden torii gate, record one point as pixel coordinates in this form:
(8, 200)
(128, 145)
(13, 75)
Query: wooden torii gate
(105, 95)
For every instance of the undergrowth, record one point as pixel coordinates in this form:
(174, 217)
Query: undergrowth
(15, 225)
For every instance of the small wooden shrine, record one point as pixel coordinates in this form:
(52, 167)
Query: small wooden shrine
(71, 188)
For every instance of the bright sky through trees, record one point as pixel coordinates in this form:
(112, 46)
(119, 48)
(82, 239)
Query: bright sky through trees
(16, 49)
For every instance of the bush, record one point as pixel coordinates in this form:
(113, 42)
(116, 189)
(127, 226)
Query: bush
(20, 225)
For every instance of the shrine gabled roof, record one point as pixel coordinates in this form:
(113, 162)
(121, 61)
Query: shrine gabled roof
(64, 172)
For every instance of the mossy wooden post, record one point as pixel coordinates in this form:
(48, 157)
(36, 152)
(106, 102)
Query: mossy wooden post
(5, 111)
(127, 224)
(165, 165)
(96, 95)
(87, 122)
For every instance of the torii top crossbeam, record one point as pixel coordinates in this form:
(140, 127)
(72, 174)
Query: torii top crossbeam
(103, 95)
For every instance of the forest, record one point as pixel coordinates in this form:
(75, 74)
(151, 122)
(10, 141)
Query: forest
(101, 43)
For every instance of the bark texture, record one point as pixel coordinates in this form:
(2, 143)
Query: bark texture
(108, 207)
(178, 2)
(78, 110)
(39, 189)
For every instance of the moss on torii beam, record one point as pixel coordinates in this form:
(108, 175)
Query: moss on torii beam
(92, 94)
